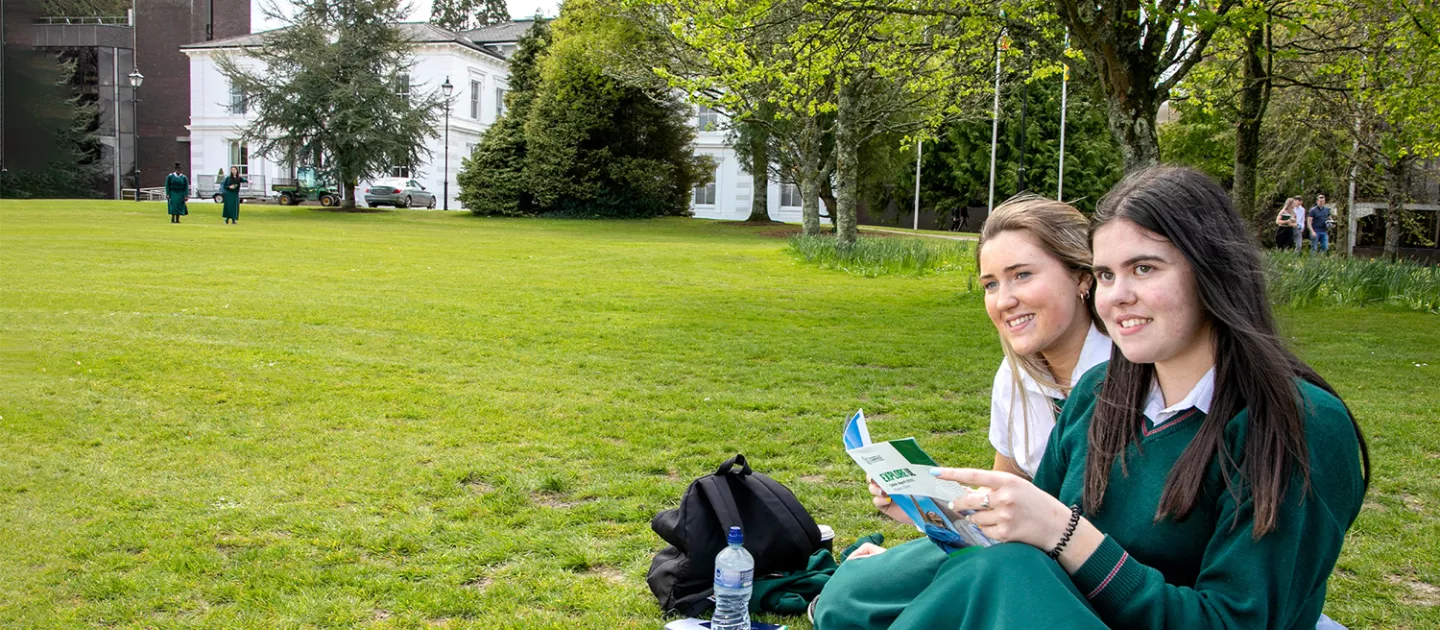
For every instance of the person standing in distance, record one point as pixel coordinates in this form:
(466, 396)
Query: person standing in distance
(230, 194)
(1287, 231)
(177, 188)
(1317, 224)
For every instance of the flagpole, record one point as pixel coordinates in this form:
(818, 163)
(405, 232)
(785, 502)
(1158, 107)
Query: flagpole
(995, 115)
(919, 145)
(1064, 94)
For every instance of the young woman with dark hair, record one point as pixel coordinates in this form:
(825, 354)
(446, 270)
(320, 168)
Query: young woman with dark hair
(1204, 478)
(177, 189)
(230, 195)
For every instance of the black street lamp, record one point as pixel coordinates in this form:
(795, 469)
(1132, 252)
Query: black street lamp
(446, 186)
(135, 80)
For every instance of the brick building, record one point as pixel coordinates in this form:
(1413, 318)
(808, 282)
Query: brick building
(161, 28)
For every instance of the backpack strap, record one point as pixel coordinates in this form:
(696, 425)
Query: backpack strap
(717, 493)
(727, 467)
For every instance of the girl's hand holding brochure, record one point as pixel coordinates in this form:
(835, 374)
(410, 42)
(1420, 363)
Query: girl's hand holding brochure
(1009, 508)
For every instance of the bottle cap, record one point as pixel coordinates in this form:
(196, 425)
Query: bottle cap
(736, 536)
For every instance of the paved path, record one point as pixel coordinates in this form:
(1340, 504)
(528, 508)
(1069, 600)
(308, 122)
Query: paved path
(905, 232)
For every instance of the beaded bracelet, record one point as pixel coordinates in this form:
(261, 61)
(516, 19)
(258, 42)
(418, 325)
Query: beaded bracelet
(1069, 531)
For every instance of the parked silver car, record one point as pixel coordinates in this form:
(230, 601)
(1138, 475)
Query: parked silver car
(398, 192)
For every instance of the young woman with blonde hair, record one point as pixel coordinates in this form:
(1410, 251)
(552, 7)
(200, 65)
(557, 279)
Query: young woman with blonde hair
(1034, 264)
(1034, 261)
(1287, 222)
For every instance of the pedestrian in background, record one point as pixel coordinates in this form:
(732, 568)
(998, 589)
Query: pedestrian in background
(230, 195)
(1317, 224)
(1287, 232)
(177, 189)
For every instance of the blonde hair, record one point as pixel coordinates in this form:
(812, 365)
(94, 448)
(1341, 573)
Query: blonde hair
(1293, 202)
(1059, 229)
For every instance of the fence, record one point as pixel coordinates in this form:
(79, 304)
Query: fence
(85, 19)
(207, 186)
(146, 194)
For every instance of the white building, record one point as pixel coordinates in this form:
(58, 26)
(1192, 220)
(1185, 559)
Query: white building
(477, 70)
(728, 197)
(475, 63)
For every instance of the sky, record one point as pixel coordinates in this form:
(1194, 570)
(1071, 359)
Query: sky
(420, 11)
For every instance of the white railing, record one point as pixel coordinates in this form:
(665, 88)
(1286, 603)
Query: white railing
(253, 188)
(146, 194)
(86, 19)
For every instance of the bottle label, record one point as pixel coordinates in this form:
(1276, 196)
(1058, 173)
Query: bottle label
(730, 578)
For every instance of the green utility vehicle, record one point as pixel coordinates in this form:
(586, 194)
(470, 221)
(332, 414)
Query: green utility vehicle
(306, 186)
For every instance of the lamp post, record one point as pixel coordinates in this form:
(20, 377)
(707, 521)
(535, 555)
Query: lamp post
(135, 80)
(446, 186)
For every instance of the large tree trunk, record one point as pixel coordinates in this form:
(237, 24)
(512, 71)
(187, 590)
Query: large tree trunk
(810, 202)
(1247, 129)
(1397, 188)
(349, 202)
(1128, 80)
(847, 162)
(1131, 118)
(827, 192)
(811, 155)
(760, 168)
(760, 177)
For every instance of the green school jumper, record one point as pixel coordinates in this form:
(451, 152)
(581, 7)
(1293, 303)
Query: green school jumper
(177, 188)
(1197, 573)
(231, 197)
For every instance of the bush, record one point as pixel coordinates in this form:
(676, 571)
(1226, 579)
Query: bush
(1304, 279)
(874, 256)
(1294, 279)
(492, 178)
(578, 142)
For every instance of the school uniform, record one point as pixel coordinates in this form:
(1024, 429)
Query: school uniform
(231, 197)
(1021, 419)
(1204, 572)
(177, 189)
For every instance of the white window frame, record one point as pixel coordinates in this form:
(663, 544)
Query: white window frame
(405, 171)
(239, 157)
(239, 102)
(705, 194)
(402, 84)
(476, 85)
(790, 195)
(499, 102)
(707, 119)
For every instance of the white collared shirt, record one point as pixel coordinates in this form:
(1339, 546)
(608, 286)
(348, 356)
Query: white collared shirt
(1007, 409)
(1199, 397)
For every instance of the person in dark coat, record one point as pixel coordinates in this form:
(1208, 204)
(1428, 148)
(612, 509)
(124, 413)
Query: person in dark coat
(177, 189)
(230, 194)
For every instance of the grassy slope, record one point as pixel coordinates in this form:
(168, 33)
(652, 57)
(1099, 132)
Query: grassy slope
(410, 418)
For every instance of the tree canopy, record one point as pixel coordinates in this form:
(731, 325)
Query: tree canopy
(464, 15)
(332, 90)
(580, 141)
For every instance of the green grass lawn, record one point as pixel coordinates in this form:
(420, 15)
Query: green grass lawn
(419, 419)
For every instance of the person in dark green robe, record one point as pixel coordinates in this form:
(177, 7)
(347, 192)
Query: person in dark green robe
(1204, 477)
(230, 194)
(177, 190)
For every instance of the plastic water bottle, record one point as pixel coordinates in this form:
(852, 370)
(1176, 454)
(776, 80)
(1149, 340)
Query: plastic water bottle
(734, 579)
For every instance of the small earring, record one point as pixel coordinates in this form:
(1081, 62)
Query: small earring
(1085, 295)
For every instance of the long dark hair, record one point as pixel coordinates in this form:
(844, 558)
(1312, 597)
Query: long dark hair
(1253, 368)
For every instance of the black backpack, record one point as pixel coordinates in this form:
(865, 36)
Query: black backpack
(779, 533)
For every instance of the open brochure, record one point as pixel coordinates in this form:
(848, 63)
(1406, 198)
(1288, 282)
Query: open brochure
(902, 470)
